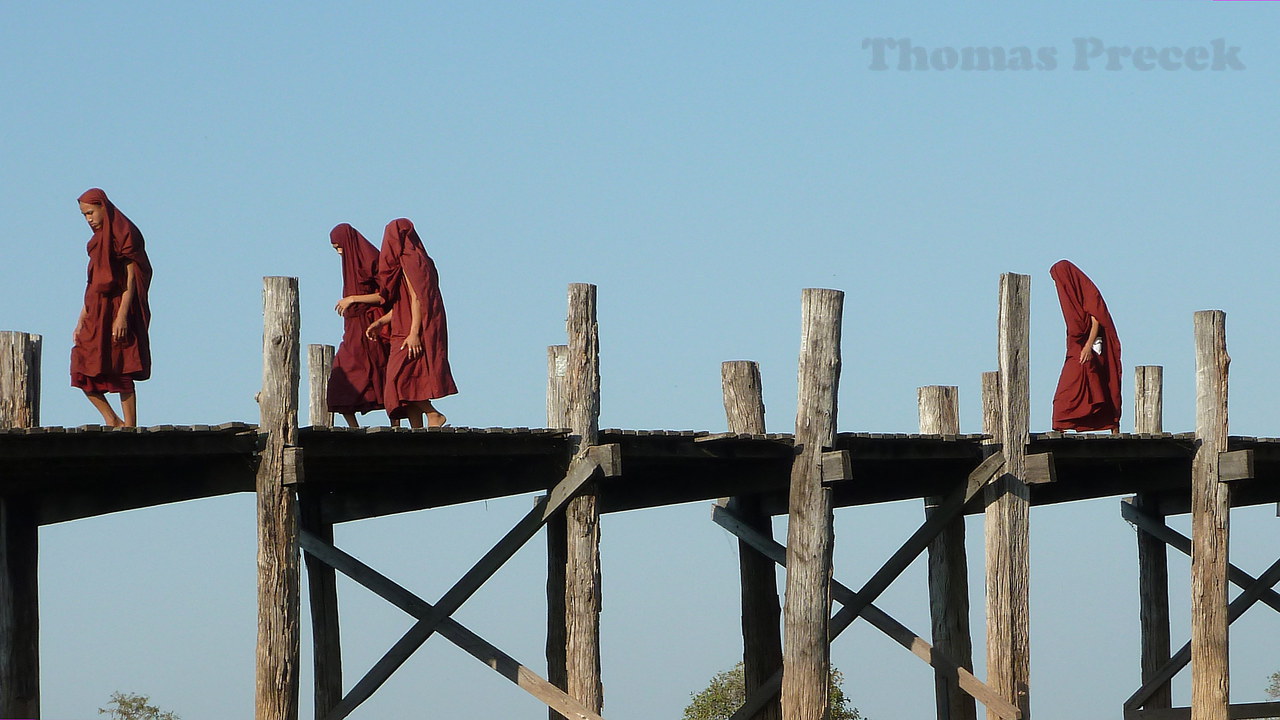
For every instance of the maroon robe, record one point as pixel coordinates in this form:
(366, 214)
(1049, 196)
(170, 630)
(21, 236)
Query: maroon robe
(98, 364)
(427, 376)
(360, 364)
(1088, 395)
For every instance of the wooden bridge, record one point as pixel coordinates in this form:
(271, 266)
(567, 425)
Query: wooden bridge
(308, 479)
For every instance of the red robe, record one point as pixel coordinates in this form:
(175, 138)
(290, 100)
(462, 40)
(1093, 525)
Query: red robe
(427, 376)
(360, 364)
(99, 364)
(1088, 395)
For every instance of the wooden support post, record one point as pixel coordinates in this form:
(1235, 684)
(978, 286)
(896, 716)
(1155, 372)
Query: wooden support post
(319, 365)
(277, 654)
(1153, 560)
(1210, 523)
(1008, 502)
(557, 542)
(991, 408)
(810, 533)
(19, 539)
(948, 569)
(582, 517)
(761, 614)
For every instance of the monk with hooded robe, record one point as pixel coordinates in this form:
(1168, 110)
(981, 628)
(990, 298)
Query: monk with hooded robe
(1088, 394)
(360, 364)
(111, 347)
(418, 369)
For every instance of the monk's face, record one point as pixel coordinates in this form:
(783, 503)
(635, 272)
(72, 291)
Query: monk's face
(338, 248)
(95, 215)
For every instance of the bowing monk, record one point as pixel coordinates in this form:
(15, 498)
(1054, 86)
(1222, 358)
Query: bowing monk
(418, 368)
(1088, 394)
(111, 348)
(360, 364)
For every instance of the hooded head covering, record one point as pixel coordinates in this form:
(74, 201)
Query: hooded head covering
(359, 260)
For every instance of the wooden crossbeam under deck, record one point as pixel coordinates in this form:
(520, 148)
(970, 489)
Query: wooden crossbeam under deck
(1242, 711)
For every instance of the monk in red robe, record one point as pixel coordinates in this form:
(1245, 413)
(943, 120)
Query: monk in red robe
(1088, 395)
(360, 364)
(418, 369)
(111, 346)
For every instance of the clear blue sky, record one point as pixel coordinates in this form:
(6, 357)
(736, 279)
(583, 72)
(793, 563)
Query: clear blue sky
(701, 163)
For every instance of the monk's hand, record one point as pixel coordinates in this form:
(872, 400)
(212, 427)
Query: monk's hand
(120, 328)
(342, 306)
(413, 345)
(1085, 353)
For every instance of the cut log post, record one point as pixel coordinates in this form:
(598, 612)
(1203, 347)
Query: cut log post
(582, 517)
(810, 533)
(1210, 523)
(1153, 560)
(278, 583)
(19, 535)
(1007, 525)
(319, 365)
(991, 409)
(557, 417)
(761, 613)
(948, 569)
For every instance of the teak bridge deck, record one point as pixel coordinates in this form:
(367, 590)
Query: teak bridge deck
(308, 479)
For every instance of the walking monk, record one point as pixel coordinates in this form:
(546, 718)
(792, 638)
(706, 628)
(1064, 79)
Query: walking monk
(111, 346)
(360, 364)
(1088, 395)
(418, 369)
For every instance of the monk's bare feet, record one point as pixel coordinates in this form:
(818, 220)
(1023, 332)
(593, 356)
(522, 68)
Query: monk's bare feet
(436, 418)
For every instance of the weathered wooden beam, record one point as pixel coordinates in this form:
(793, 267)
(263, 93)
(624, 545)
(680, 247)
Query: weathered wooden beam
(557, 541)
(1007, 522)
(991, 408)
(582, 518)
(1153, 560)
(319, 365)
(278, 572)
(19, 538)
(869, 612)
(555, 698)
(837, 466)
(1040, 469)
(322, 593)
(584, 469)
(1235, 465)
(1242, 711)
(761, 612)
(810, 534)
(939, 409)
(1210, 523)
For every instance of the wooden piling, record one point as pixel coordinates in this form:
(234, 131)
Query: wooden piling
(810, 533)
(1153, 560)
(19, 539)
(557, 547)
(278, 614)
(939, 408)
(319, 365)
(991, 408)
(761, 613)
(582, 517)
(1007, 526)
(322, 585)
(1210, 523)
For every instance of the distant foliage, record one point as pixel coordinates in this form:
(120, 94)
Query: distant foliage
(728, 690)
(134, 707)
(1274, 688)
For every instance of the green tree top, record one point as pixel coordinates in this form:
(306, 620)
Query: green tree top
(134, 707)
(728, 691)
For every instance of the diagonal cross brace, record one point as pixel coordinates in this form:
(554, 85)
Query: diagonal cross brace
(481, 650)
(601, 459)
(954, 504)
(1243, 602)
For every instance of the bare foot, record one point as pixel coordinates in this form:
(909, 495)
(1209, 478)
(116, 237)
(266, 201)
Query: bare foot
(436, 419)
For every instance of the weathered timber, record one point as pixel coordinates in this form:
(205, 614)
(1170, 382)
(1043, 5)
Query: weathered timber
(278, 572)
(319, 365)
(991, 407)
(1236, 465)
(1153, 560)
(557, 541)
(582, 518)
(602, 459)
(761, 613)
(1241, 711)
(19, 538)
(939, 408)
(473, 644)
(810, 534)
(1007, 527)
(1210, 523)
